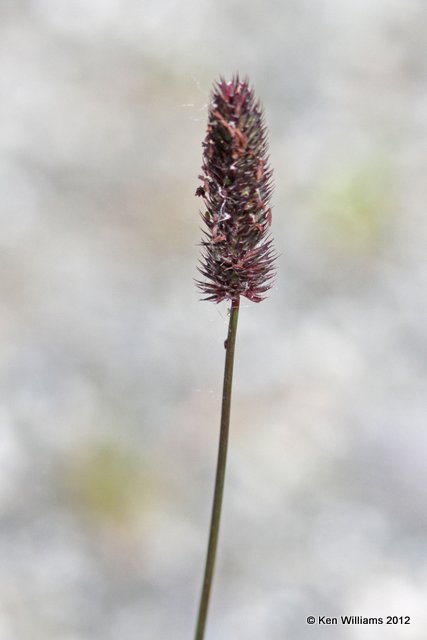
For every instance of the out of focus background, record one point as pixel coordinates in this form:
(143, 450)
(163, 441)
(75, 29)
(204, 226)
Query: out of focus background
(111, 368)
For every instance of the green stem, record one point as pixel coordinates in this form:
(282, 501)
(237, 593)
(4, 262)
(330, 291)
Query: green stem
(220, 471)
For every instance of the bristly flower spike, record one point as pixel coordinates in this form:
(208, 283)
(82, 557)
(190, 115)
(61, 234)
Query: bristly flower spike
(237, 253)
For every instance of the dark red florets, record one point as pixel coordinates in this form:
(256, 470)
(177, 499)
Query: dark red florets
(237, 252)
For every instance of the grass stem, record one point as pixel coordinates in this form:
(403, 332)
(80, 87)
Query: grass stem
(220, 471)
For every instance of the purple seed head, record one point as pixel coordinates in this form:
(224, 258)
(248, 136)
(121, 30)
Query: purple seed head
(237, 252)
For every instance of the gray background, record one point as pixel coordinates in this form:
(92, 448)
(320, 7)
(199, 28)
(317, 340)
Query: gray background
(111, 368)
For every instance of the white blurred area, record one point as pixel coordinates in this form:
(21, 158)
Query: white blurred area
(111, 368)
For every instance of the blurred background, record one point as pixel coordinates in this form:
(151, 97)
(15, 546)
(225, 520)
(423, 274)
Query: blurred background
(111, 368)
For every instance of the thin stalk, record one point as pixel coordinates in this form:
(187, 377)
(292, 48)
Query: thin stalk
(220, 471)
